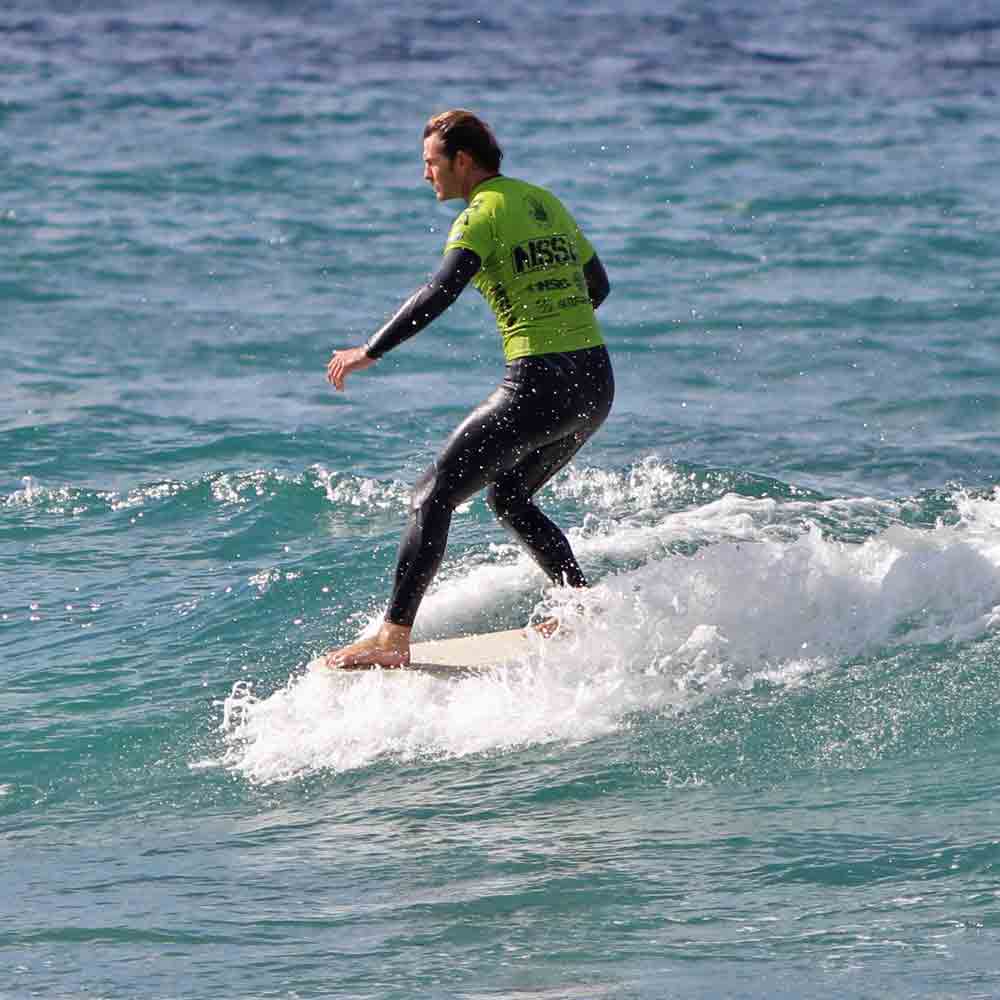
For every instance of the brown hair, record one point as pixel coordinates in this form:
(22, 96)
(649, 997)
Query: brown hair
(462, 130)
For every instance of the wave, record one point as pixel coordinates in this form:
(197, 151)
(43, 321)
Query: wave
(704, 593)
(712, 588)
(361, 493)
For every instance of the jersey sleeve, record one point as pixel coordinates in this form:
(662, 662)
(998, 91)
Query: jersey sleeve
(473, 230)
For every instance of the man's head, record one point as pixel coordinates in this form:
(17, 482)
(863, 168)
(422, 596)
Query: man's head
(460, 151)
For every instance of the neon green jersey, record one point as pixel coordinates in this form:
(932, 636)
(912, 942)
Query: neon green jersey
(532, 254)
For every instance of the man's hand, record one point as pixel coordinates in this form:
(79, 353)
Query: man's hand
(343, 363)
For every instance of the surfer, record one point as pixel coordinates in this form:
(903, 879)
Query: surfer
(523, 251)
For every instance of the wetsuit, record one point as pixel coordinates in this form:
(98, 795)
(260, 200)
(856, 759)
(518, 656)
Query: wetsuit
(526, 255)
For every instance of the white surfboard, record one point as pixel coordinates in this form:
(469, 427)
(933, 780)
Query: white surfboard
(466, 654)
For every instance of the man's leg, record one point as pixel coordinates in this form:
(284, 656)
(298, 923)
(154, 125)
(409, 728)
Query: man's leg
(481, 446)
(510, 495)
(510, 498)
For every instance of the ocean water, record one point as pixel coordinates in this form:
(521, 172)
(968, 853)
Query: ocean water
(765, 763)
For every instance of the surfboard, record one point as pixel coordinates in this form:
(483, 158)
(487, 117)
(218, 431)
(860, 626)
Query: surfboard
(465, 654)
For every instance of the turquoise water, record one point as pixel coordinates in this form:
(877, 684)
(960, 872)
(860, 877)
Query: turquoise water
(765, 763)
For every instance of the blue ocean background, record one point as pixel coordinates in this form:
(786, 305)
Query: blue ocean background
(766, 761)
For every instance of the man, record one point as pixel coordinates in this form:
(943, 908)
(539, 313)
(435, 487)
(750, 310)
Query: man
(520, 247)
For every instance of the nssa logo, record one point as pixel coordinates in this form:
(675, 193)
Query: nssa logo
(546, 251)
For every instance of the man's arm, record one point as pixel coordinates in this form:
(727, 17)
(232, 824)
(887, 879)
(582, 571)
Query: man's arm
(598, 285)
(457, 269)
(425, 305)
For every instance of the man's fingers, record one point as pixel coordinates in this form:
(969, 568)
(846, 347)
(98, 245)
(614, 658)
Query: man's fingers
(343, 363)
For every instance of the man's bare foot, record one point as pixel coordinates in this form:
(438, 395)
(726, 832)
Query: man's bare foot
(390, 647)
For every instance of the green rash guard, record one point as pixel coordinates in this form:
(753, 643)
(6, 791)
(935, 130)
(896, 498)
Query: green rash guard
(532, 254)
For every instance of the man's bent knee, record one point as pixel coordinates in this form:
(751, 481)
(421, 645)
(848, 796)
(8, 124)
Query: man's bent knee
(504, 503)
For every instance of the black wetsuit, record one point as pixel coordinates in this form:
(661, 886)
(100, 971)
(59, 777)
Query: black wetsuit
(528, 429)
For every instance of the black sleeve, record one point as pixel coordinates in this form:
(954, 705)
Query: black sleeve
(427, 303)
(598, 285)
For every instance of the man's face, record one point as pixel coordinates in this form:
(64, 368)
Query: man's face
(441, 172)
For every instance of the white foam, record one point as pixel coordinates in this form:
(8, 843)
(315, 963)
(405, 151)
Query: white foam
(330, 721)
(758, 592)
(363, 492)
(25, 496)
